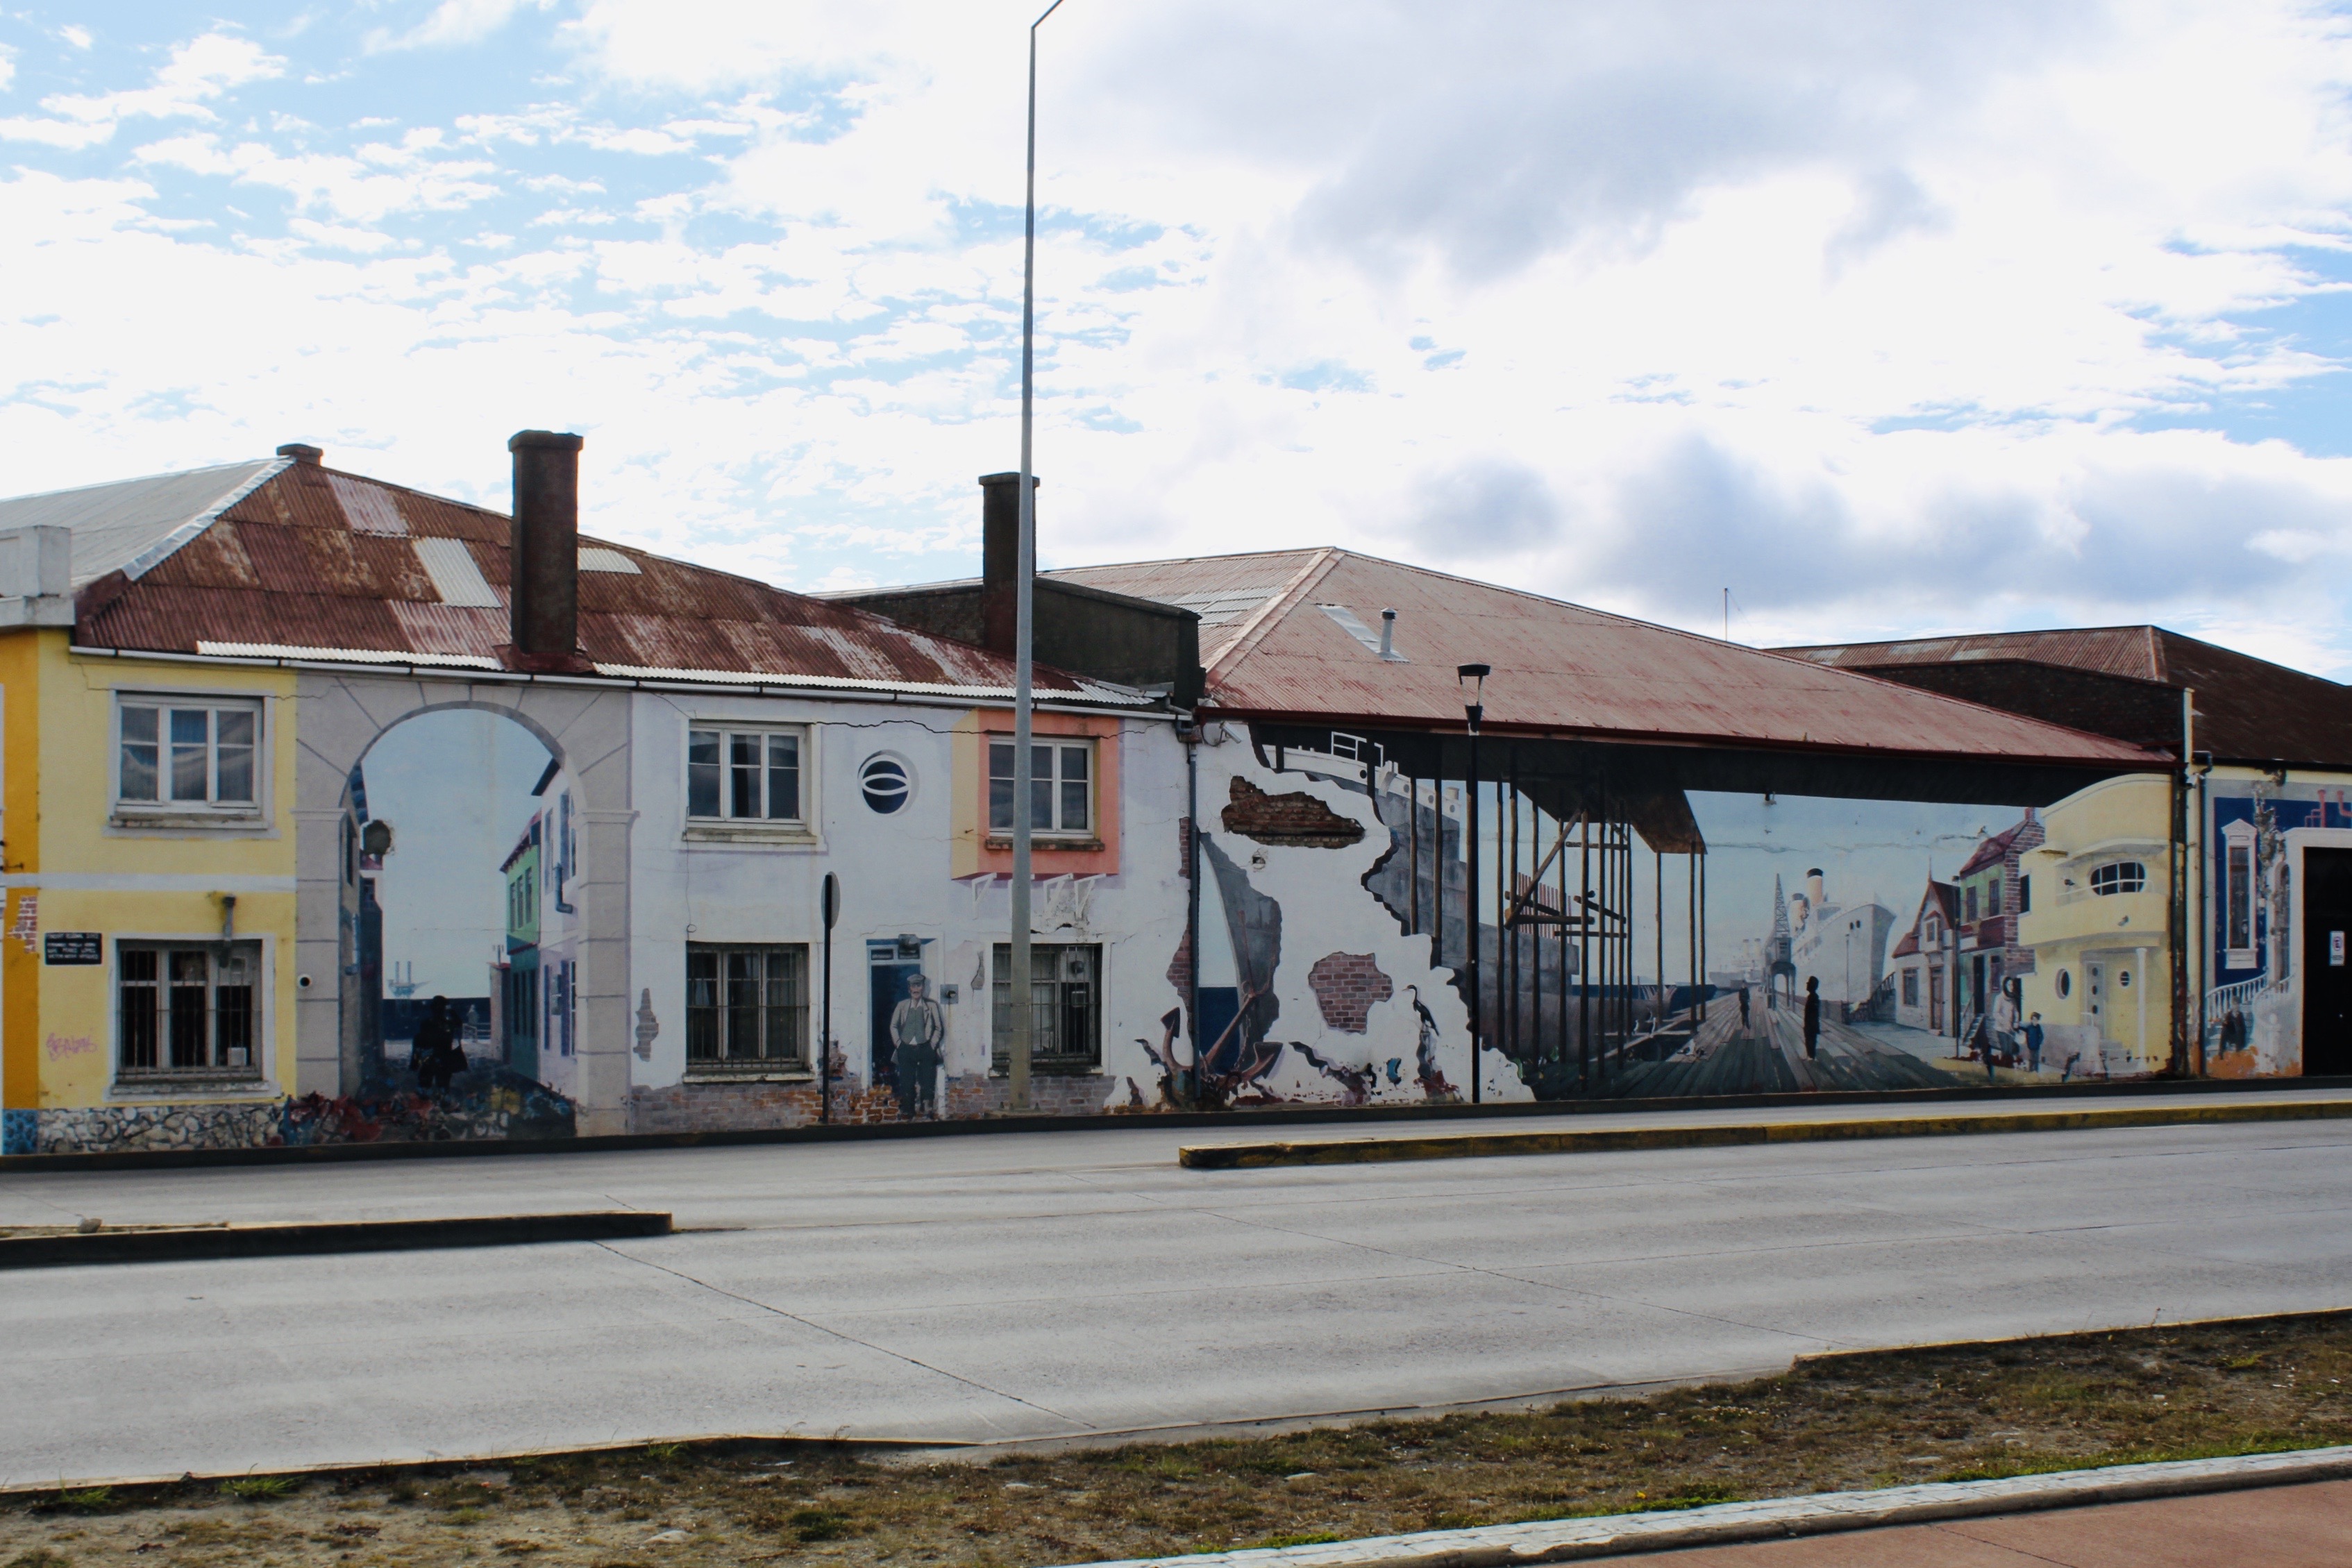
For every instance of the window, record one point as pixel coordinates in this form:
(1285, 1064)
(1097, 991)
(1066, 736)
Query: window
(1061, 791)
(746, 1006)
(563, 1004)
(188, 1008)
(744, 775)
(885, 783)
(2025, 893)
(1065, 1030)
(2065, 985)
(2238, 899)
(2120, 876)
(1934, 933)
(193, 753)
(1970, 918)
(1910, 988)
(1992, 897)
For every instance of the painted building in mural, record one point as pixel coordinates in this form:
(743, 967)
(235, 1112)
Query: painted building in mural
(2163, 916)
(268, 723)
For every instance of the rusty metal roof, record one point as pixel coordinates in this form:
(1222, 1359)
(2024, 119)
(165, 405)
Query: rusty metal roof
(311, 562)
(1560, 669)
(130, 524)
(2248, 709)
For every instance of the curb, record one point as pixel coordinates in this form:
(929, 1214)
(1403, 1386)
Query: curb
(1480, 1146)
(1326, 1115)
(1778, 1518)
(187, 1243)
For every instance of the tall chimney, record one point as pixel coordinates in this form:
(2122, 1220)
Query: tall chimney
(545, 592)
(302, 453)
(1000, 559)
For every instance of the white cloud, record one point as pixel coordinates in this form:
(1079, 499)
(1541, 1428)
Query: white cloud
(1888, 317)
(199, 71)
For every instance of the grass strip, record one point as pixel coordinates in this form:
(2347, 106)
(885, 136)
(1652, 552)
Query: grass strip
(1846, 1422)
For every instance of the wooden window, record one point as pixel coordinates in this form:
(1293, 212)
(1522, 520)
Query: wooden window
(187, 1010)
(1061, 791)
(188, 753)
(744, 775)
(1065, 1002)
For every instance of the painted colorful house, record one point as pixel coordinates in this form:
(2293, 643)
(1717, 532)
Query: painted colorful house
(2242, 880)
(2094, 920)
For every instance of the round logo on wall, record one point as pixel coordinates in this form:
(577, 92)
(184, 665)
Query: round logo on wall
(886, 783)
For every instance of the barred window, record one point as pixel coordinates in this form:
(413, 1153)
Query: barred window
(186, 753)
(1064, 1007)
(746, 1006)
(744, 775)
(187, 1009)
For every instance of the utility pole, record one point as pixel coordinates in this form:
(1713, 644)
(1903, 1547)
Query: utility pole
(1023, 1019)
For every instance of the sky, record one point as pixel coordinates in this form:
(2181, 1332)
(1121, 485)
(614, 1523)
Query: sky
(455, 786)
(1807, 321)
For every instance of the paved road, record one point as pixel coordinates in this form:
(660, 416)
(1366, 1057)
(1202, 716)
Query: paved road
(2273, 1527)
(1068, 1283)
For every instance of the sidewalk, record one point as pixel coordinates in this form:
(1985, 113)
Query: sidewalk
(2305, 1526)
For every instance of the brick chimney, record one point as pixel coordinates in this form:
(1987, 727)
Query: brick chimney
(999, 558)
(544, 593)
(308, 456)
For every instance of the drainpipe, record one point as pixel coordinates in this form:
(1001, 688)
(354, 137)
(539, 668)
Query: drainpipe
(2176, 892)
(2204, 910)
(1188, 1086)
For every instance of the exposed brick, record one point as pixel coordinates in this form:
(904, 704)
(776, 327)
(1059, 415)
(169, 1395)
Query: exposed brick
(1297, 820)
(1346, 985)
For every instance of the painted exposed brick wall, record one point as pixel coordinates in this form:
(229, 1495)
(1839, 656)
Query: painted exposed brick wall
(1346, 985)
(1297, 819)
(755, 1107)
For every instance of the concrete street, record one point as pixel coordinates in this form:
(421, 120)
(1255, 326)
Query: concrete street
(1060, 1284)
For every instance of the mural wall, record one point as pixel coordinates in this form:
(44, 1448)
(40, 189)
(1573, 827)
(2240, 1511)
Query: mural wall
(2278, 896)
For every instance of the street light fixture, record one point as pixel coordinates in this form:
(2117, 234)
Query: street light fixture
(1023, 1010)
(1475, 711)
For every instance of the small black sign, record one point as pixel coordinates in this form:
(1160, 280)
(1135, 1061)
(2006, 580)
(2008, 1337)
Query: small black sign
(73, 947)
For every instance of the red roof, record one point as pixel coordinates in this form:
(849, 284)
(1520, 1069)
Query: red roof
(1284, 643)
(321, 563)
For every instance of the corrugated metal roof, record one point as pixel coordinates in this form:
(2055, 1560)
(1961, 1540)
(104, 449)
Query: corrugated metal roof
(2248, 709)
(1229, 592)
(129, 524)
(310, 562)
(1559, 668)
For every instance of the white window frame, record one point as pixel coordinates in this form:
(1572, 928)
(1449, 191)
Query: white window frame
(800, 829)
(1056, 746)
(210, 811)
(801, 1016)
(2237, 839)
(2116, 867)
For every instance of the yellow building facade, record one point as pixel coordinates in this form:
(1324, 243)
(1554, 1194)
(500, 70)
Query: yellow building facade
(2102, 974)
(148, 988)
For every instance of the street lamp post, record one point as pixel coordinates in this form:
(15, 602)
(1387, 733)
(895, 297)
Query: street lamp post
(1022, 1008)
(1475, 710)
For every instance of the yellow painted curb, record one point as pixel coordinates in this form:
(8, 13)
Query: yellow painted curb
(1612, 1140)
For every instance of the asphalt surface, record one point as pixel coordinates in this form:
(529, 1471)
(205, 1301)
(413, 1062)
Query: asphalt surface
(1066, 1284)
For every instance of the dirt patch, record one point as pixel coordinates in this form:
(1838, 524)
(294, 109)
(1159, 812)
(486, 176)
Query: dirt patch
(1829, 1424)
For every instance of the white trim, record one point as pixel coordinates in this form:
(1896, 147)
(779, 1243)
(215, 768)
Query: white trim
(335, 655)
(1088, 691)
(263, 1085)
(2297, 841)
(797, 829)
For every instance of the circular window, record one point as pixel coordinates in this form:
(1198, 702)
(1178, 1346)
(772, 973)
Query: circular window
(2123, 979)
(2065, 984)
(886, 784)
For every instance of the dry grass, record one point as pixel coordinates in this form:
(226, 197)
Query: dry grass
(1831, 1425)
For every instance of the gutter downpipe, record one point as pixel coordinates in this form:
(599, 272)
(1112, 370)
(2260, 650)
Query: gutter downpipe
(2204, 909)
(1189, 1085)
(2176, 892)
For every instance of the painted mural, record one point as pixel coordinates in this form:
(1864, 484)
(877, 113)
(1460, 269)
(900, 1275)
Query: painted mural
(2279, 905)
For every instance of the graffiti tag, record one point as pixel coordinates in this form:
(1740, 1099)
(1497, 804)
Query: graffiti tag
(60, 1045)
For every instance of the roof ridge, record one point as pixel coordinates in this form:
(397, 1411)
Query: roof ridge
(1278, 604)
(163, 549)
(140, 479)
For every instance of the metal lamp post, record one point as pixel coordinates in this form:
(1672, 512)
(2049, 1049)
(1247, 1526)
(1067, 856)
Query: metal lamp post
(1475, 710)
(1023, 1010)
